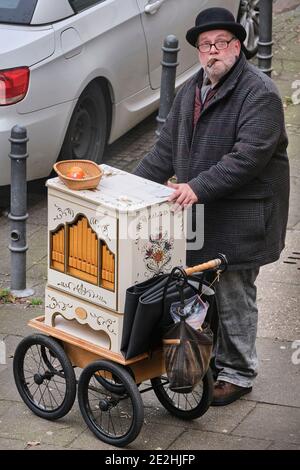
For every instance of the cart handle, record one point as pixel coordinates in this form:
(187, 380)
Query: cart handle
(214, 263)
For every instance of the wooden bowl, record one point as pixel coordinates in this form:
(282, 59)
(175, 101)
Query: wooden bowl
(90, 181)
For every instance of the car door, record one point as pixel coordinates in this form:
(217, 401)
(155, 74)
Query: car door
(163, 17)
(104, 38)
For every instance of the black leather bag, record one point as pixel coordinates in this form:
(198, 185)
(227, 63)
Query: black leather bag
(146, 313)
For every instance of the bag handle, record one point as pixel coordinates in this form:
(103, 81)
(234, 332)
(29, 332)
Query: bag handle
(180, 286)
(181, 282)
(178, 274)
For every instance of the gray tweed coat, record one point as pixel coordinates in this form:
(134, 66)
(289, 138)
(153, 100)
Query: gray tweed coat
(235, 160)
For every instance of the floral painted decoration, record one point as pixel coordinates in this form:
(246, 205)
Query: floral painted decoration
(158, 253)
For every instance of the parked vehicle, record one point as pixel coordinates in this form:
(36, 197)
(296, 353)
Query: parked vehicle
(80, 73)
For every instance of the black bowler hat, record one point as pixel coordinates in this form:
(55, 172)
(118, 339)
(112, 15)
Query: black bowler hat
(215, 18)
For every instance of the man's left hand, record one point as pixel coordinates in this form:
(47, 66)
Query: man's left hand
(183, 195)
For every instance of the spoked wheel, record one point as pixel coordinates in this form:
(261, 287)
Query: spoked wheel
(44, 376)
(110, 403)
(185, 405)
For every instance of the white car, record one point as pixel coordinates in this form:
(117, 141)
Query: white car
(80, 73)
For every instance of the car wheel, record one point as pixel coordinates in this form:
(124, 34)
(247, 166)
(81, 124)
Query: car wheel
(248, 16)
(86, 135)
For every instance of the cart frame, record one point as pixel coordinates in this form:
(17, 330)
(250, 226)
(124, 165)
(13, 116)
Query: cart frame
(110, 379)
(81, 353)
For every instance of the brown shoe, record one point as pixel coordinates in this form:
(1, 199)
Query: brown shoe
(225, 393)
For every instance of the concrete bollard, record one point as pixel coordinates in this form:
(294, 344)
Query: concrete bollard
(18, 212)
(167, 89)
(265, 42)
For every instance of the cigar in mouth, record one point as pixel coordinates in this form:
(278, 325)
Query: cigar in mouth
(211, 62)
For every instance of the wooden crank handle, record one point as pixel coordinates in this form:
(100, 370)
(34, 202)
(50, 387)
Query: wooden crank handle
(214, 263)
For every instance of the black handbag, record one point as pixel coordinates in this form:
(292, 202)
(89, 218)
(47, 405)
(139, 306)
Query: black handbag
(146, 312)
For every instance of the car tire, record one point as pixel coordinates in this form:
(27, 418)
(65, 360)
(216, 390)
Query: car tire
(86, 135)
(248, 16)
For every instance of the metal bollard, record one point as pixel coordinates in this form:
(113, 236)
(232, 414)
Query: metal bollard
(18, 212)
(265, 42)
(167, 89)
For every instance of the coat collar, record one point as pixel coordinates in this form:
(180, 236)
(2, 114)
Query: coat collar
(189, 101)
(228, 83)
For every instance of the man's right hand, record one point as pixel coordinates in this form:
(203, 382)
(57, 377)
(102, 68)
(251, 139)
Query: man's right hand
(183, 196)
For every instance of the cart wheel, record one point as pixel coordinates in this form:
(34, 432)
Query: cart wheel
(115, 418)
(44, 376)
(185, 405)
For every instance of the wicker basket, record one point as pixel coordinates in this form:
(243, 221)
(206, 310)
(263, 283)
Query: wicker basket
(92, 170)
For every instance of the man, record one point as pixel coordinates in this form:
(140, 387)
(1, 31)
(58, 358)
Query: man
(225, 141)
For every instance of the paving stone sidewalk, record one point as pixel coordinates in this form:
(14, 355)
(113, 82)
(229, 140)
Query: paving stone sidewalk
(269, 417)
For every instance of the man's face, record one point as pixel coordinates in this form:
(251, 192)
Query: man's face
(217, 63)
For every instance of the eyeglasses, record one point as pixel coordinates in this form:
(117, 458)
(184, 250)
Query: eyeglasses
(220, 44)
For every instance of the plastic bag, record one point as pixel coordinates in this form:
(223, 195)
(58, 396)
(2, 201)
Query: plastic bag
(194, 311)
(187, 354)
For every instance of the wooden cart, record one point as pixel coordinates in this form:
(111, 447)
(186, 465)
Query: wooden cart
(100, 242)
(109, 386)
